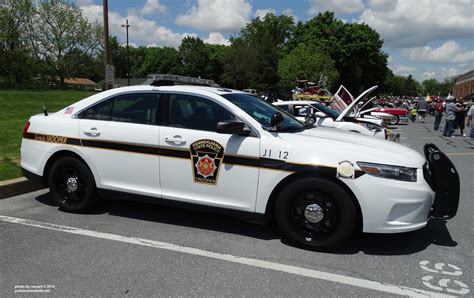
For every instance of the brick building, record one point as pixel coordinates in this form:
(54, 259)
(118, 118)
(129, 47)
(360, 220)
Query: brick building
(464, 84)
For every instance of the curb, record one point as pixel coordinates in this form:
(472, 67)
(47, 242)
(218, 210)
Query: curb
(17, 186)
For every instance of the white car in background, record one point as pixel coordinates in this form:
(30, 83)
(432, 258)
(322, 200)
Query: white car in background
(316, 113)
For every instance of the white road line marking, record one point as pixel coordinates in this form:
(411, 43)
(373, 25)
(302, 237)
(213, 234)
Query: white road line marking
(320, 275)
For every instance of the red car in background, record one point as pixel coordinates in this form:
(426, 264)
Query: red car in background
(401, 114)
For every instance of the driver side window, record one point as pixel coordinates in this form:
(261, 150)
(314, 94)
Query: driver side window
(194, 112)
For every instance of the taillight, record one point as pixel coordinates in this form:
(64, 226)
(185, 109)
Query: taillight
(25, 129)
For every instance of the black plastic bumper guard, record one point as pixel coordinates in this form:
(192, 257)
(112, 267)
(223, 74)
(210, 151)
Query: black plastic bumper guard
(442, 176)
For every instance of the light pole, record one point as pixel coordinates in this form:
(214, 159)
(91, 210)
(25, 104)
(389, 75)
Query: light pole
(128, 57)
(106, 38)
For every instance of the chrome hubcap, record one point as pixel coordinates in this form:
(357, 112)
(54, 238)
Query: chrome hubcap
(72, 184)
(313, 213)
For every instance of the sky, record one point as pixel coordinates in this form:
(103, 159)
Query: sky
(424, 38)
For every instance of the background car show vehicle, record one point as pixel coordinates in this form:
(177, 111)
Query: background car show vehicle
(227, 151)
(318, 114)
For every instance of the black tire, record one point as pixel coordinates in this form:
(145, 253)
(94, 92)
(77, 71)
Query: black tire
(337, 225)
(83, 197)
(394, 121)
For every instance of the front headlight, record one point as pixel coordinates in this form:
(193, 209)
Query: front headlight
(389, 171)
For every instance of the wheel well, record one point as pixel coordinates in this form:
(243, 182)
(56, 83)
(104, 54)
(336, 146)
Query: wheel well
(56, 156)
(270, 208)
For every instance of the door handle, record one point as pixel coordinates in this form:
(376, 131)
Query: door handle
(93, 132)
(177, 140)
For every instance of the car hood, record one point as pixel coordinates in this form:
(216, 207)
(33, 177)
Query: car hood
(355, 103)
(336, 145)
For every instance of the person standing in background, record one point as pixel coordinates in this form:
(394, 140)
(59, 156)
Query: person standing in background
(470, 119)
(438, 113)
(422, 108)
(451, 110)
(460, 116)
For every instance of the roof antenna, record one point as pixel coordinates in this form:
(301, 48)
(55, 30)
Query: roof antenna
(44, 110)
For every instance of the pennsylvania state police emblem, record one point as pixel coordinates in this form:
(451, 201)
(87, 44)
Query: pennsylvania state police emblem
(206, 157)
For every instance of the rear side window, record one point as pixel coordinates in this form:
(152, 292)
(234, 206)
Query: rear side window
(100, 111)
(140, 108)
(194, 112)
(135, 108)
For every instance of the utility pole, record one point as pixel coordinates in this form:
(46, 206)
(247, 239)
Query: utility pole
(106, 38)
(128, 56)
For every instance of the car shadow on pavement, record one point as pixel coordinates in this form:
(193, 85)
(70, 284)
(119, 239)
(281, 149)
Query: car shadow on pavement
(177, 216)
(435, 233)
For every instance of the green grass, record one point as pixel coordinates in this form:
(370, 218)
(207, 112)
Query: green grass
(16, 107)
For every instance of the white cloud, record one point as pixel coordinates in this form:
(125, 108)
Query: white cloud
(84, 2)
(216, 38)
(217, 15)
(289, 12)
(382, 5)
(449, 52)
(261, 13)
(152, 6)
(415, 23)
(442, 73)
(141, 31)
(336, 6)
(402, 70)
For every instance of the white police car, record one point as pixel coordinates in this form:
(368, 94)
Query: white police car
(227, 151)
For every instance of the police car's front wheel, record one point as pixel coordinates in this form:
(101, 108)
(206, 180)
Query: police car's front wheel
(72, 185)
(315, 213)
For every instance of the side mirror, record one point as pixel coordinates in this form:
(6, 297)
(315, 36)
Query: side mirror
(276, 120)
(233, 127)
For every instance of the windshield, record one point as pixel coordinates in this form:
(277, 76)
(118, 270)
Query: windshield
(326, 110)
(263, 111)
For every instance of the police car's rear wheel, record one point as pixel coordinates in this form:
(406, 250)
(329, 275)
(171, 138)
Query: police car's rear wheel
(315, 213)
(72, 185)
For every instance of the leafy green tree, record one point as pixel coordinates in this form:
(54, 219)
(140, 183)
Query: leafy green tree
(412, 87)
(194, 57)
(355, 48)
(431, 87)
(159, 60)
(306, 63)
(446, 87)
(217, 55)
(61, 37)
(256, 51)
(15, 54)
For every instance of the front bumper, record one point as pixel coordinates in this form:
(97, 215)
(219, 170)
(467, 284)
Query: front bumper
(392, 206)
(404, 118)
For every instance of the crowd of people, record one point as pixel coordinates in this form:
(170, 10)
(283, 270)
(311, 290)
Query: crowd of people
(456, 114)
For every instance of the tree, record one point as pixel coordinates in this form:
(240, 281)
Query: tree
(355, 48)
(61, 37)
(159, 60)
(194, 57)
(412, 87)
(15, 59)
(306, 62)
(217, 55)
(253, 60)
(431, 86)
(446, 87)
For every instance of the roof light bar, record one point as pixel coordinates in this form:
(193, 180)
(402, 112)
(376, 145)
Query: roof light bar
(169, 79)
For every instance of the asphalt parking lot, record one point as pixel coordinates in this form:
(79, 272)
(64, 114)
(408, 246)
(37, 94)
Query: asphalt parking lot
(128, 248)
